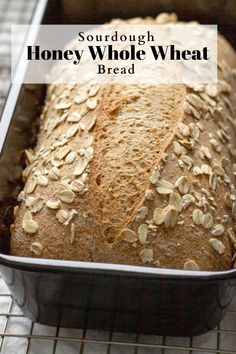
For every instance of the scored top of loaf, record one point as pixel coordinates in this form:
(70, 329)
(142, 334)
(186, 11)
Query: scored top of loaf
(134, 174)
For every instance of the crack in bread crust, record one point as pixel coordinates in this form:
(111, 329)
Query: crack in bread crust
(135, 124)
(145, 176)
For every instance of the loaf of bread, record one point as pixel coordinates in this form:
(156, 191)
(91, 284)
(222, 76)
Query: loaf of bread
(135, 174)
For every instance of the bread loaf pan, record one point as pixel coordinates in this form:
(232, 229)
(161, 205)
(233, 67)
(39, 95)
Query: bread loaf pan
(96, 295)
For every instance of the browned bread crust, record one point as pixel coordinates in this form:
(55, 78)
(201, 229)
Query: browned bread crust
(134, 174)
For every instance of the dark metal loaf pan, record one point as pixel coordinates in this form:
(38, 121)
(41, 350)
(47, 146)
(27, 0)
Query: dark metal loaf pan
(92, 295)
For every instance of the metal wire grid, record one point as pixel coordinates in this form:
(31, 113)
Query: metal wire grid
(11, 12)
(18, 335)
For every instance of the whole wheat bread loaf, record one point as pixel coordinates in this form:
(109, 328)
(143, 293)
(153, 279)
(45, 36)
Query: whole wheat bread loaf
(134, 174)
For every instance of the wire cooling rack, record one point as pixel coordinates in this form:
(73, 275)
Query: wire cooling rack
(18, 335)
(11, 12)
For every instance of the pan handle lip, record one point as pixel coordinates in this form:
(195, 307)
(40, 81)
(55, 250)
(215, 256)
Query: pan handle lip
(93, 268)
